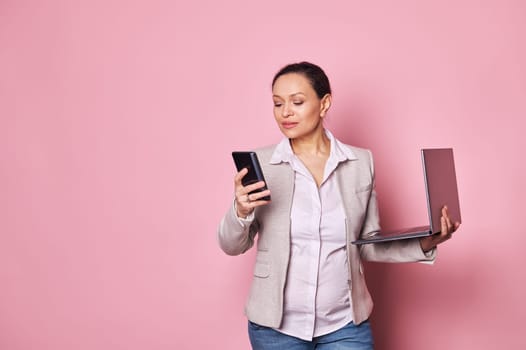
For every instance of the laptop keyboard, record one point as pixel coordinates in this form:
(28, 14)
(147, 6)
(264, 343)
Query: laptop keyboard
(407, 230)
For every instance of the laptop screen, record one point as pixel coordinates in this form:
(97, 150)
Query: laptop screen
(441, 185)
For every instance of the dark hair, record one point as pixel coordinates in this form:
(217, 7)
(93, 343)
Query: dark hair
(316, 76)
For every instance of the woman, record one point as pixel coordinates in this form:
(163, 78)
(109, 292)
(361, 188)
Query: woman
(308, 289)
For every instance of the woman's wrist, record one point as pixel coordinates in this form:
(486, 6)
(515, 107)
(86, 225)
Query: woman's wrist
(426, 244)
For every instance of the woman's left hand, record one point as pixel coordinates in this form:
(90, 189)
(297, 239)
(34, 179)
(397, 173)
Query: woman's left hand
(447, 229)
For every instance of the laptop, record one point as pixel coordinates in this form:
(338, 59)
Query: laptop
(441, 189)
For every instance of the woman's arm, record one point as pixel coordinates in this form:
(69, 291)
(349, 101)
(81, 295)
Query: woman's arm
(407, 250)
(235, 234)
(238, 228)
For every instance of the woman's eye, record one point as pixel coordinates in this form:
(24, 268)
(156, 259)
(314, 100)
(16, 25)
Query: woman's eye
(297, 103)
(277, 104)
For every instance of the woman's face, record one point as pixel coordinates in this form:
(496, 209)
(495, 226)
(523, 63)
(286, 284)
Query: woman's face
(297, 108)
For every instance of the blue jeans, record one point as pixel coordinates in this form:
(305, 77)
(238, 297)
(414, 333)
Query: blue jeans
(351, 337)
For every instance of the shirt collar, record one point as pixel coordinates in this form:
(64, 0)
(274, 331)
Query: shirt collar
(339, 152)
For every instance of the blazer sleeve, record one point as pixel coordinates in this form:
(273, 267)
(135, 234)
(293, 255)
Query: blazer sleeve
(406, 250)
(236, 235)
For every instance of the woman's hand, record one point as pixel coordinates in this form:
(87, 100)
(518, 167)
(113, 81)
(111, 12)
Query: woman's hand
(447, 229)
(245, 202)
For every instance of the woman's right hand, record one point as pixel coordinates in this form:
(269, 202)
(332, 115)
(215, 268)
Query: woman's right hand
(245, 202)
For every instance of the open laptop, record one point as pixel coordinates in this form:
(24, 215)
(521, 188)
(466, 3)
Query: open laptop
(441, 189)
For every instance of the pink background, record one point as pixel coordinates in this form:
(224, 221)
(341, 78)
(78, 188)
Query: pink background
(117, 120)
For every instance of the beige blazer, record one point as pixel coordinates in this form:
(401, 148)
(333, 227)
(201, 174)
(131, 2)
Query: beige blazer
(271, 223)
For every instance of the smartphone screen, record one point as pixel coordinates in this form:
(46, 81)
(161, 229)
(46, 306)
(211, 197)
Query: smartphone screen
(250, 161)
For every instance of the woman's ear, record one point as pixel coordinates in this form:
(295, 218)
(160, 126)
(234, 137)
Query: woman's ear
(325, 105)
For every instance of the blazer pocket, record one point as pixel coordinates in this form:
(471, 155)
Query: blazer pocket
(363, 188)
(261, 269)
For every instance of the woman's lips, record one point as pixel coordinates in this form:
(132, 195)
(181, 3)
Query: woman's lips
(289, 125)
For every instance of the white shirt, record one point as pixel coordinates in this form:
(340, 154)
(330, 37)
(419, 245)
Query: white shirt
(317, 298)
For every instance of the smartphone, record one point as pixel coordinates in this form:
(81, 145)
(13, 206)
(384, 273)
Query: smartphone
(250, 161)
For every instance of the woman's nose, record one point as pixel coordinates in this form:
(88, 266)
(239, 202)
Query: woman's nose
(286, 110)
